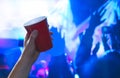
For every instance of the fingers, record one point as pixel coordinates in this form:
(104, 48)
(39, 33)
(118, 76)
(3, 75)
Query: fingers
(99, 11)
(102, 10)
(102, 13)
(116, 16)
(103, 7)
(102, 21)
(31, 38)
(33, 35)
(51, 33)
(26, 39)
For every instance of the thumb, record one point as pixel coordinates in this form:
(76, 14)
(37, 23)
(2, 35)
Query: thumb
(33, 36)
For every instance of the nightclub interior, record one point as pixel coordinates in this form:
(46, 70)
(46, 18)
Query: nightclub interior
(86, 37)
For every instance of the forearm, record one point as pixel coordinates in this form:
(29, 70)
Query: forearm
(21, 69)
(29, 56)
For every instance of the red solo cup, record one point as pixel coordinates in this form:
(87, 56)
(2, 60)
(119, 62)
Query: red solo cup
(43, 41)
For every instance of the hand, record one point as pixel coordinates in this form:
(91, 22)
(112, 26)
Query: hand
(116, 17)
(96, 18)
(30, 52)
(29, 56)
(116, 27)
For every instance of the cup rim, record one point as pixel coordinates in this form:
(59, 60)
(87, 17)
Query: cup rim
(35, 20)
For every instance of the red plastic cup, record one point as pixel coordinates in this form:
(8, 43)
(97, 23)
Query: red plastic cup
(43, 41)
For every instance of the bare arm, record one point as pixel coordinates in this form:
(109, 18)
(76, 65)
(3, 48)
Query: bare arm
(30, 54)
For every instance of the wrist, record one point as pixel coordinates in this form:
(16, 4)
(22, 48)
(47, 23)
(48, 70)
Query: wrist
(30, 56)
